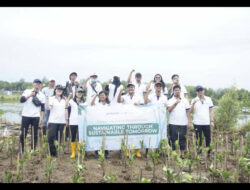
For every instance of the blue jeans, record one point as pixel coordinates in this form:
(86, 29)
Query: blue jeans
(45, 120)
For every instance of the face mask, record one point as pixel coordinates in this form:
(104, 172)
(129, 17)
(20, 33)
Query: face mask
(93, 80)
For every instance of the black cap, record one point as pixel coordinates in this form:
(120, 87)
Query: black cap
(158, 83)
(73, 73)
(130, 84)
(199, 88)
(37, 81)
(59, 87)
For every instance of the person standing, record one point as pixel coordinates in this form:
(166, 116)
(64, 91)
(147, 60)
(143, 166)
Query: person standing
(155, 98)
(113, 89)
(202, 106)
(33, 109)
(151, 85)
(92, 86)
(57, 119)
(48, 91)
(103, 102)
(71, 87)
(179, 119)
(72, 120)
(140, 88)
(132, 99)
(176, 81)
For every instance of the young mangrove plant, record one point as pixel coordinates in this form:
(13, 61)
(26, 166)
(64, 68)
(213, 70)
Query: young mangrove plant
(79, 168)
(154, 156)
(82, 146)
(50, 162)
(131, 160)
(8, 176)
(110, 178)
(101, 160)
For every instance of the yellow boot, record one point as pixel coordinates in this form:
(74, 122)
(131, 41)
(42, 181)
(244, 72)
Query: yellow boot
(73, 150)
(127, 153)
(137, 153)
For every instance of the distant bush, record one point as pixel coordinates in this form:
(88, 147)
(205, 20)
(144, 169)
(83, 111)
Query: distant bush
(228, 110)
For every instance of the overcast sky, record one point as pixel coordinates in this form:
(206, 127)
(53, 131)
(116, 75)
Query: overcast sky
(206, 46)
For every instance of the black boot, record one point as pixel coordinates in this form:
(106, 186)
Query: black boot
(146, 152)
(107, 156)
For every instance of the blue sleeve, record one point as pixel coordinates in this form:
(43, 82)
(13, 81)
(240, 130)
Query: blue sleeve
(22, 99)
(43, 107)
(107, 87)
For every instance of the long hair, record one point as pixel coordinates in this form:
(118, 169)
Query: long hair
(81, 100)
(162, 82)
(117, 83)
(107, 99)
(62, 95)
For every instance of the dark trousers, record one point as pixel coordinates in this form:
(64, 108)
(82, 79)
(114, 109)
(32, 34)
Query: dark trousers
(74, 133)
(176, 130)
(25, 123)
(45, 121)
(55, 133)
(205, 129)
(67, 135)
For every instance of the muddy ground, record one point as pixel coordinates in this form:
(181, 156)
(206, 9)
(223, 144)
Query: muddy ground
(34, 170)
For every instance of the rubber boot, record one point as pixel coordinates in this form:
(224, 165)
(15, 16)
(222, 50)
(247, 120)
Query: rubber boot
(107, 156)
(73, 150)
(137, 153)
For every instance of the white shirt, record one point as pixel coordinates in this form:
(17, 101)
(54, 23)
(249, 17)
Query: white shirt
(135, 99)
(152, 88)
(57, 110)
(29, 108)
(178, 115)
(155, 100)
(201, 110)
(183, 91)
(112, 98)
(47, 91)
(101, 104)
(139, 88)
(73, 118)
(91, 93)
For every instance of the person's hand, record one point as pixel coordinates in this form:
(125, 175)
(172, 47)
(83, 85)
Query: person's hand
(109, 81)
(195, 100)
(67, 122)
(122, 88)
(132, 71)
(212, 124)
(189, 125)
(136, 104)
(178, 101)
(32, 94)
(40, 123)
(77, 83)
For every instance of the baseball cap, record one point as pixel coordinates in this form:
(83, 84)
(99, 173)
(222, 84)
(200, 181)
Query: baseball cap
(116, 75)
(94, 74)
(59, 87)
(37, 81)
(79, 90)
(199, 88)
(52, 79)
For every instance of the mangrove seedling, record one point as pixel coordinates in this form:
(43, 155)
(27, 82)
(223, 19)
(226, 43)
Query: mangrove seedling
(8, 176)
(101, 160)
(131, 160)
(50, 166)
(77, 175)
(110, 178)
(154, 156)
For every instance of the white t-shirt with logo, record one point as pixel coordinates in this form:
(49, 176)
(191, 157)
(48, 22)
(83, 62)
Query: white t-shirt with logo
(91, 93)
(183, 91)
(201, 110)
(114, 99)
(152, 98)
(139, 88)
(178, 115)
(135, 99)
(29, 108)
(57, 110)
(73, 118)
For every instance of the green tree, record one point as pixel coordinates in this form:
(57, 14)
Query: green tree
(229, 107)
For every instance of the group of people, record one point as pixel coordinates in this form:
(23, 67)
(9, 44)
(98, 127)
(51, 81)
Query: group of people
(56, 106)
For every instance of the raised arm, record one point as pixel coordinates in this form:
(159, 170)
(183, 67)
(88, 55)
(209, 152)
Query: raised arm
(47, 103)
(148, 85)
(145, 95)
(120, 99)
(84, 86)
(93, 100)
(192, 105)
(67, 100)
(130, 75)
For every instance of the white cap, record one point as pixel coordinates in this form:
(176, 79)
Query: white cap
(116, 75)
(52, 78)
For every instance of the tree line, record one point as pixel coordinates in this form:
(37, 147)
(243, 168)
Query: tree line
(243, 95)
